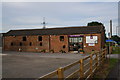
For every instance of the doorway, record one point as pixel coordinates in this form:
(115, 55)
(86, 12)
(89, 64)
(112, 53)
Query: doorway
(75, 43)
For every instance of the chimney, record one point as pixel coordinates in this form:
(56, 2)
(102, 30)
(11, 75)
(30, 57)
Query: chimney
(110, 28)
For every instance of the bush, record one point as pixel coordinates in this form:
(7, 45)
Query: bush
(62, 51)
(43, 50)
(52, 50)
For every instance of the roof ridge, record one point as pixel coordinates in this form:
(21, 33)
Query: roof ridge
(53, 28)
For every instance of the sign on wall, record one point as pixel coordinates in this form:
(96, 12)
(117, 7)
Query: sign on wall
(91, 44)
(91, 39)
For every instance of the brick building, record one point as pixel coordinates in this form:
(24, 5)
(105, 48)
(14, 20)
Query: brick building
(67, 39)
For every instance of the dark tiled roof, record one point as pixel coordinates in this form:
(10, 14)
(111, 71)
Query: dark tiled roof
(57, 31)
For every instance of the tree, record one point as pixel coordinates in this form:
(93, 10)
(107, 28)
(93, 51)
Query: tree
(94, 23)
(116, 38)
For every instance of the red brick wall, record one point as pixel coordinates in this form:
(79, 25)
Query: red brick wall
(97, 46)
(57, 45)
(103, 40)
(54, 42)
(25, 44)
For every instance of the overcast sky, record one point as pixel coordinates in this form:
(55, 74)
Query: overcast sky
(27, 15)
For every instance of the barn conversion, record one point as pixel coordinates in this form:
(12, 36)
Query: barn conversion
(68, 39)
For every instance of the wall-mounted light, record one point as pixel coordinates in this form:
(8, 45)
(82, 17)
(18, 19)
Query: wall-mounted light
(91, 36)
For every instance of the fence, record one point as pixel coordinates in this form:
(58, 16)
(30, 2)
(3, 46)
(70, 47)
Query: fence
(87, 66)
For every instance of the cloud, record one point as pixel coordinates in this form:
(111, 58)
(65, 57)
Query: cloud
(60, 0)
(30, 14)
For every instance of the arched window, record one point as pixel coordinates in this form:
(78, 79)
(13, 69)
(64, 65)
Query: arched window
(39, 38)
(24, 38)
(30, 43)
(61, 38)
(40, 44)
(11, 43)
(20, 43)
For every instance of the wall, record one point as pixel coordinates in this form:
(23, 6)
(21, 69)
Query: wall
(35, 47)
(57, 45)
(97, 46)
(52, 40)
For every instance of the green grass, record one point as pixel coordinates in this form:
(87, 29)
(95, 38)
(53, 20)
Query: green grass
(112, 62)
(116, 50)
(105, 68)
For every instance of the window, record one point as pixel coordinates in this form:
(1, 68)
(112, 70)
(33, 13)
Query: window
(70, 39)
(61, 38)
(24, 38)
(20, 43)
(64, 46)
(11, 43)
(39, 38)
(75, 40)
(30, 43)
(40, 44)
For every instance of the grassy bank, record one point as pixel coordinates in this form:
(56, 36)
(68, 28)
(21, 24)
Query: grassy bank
(112, 62)
(105, 68)
(116, 50)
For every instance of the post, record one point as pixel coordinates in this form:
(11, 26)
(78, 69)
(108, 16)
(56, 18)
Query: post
(109, 50)
(103, 55)
(91, 61)
(106, 52)
(60, 74)
(81, 69)
(97, 60)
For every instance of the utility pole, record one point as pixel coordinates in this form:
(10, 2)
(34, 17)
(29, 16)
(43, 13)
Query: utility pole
(116, 30)
(110, 36)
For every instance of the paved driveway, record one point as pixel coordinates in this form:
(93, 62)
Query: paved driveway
(34, 65)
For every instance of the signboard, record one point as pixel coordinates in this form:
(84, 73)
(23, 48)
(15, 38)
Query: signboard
(91, 39)
(91, 44)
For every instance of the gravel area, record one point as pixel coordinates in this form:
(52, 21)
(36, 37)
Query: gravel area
(34, 65)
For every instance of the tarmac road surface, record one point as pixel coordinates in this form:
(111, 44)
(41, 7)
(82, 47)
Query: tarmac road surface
(34, 65)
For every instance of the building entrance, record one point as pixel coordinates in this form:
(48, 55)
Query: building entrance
(75, 43)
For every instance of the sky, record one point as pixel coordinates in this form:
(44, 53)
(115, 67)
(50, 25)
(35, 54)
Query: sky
(29, 15)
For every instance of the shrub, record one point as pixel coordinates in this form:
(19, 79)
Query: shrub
(52, 50)
(44, 50)
(62, 51)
